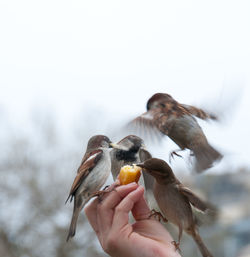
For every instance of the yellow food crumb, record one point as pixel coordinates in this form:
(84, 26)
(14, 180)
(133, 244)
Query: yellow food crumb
(129, 174)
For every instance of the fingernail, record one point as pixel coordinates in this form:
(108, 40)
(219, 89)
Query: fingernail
(132, 184)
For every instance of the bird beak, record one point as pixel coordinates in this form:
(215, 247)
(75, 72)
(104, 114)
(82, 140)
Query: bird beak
(114, 145)
(117, 146)
(140, 165)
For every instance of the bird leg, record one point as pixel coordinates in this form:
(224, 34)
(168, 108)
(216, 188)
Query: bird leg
(176, 245)
(191, 155)
(107, 189)
(171, 156)
(157, 215)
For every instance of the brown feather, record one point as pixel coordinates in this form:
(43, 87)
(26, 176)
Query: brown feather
(86, 166)
(199, 113)
(193, 199)
(146, 124)
(165, 116)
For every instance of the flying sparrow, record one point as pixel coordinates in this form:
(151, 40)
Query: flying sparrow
(128, 151)
(91, 176)
(177, 121)
(175, 200)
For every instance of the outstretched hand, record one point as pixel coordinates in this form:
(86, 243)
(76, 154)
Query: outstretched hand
(110, 220)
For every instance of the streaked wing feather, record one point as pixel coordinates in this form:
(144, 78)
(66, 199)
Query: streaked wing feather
(84, 169)
(86, 156)
(146, 126)
(199, 113)
(193, 199)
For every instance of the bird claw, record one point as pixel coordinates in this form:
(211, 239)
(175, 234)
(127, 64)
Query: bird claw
(172, 154)
(192, 154)
(106, 189)
(176, 245)
(157, 215)
(190, 158)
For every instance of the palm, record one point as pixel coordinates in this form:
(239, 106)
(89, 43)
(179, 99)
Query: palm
(149, 238)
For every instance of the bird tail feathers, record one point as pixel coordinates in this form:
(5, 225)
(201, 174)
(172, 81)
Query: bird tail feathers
(203, 249)
(76, 211)
(205, 157)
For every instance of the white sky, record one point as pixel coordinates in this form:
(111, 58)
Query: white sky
(75, 56)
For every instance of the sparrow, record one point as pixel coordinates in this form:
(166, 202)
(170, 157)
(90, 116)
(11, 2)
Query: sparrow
(177, 121)
(175, 200)
(128, 151)
(91, 175)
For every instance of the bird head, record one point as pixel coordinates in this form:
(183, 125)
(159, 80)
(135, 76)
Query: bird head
(129, 143)
(99, 141)
(159, 169)
(158, 100)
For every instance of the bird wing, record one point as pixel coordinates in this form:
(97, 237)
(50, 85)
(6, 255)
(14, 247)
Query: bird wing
(147, 125)
(144, 155)
(193, 198)
(148, 179)
(199, 113)
(146, 119)
(88, 163)
(86, 156)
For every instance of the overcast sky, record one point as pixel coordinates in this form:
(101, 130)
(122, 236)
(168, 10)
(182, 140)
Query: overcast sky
(75, 57)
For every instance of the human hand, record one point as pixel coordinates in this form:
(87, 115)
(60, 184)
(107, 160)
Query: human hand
(110, 220)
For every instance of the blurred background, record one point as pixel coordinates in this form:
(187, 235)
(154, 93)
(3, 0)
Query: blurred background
(72, 69)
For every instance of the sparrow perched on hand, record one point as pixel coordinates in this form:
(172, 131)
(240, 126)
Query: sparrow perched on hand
(128, 151)
(177, 121)
(91, 176)
(175, 200)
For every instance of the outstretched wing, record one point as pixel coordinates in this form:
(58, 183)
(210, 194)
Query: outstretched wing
(85, 168)
(199, 113)
(147, 119)
(147, 125)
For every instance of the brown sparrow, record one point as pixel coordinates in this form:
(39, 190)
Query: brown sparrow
(128, 151)
(175, 201)
(177, 121)
(91, 176)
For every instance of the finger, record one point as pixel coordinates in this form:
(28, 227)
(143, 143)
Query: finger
(105, 209)
(91, 213)
(121, 214)
(91, 208)
(141, 210)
